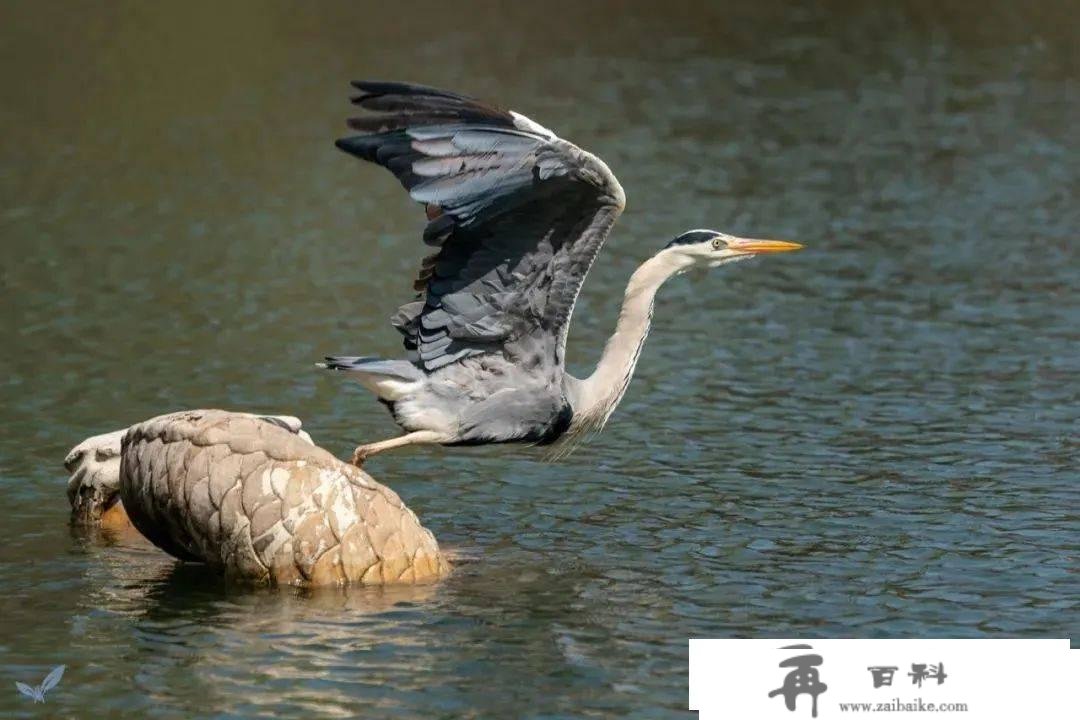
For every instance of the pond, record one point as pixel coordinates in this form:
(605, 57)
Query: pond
(874, 437)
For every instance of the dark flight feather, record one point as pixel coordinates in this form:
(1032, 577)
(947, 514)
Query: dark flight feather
(516, 216)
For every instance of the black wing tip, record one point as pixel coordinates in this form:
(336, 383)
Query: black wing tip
(374, 88)
(365, 147)
(394, 105)
(351, 145)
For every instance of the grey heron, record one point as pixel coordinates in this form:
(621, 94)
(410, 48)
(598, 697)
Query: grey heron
(516, 217)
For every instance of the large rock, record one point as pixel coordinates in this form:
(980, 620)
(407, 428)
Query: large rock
(254, 499)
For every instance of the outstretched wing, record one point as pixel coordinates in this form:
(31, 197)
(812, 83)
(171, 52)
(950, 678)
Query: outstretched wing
(25, 689)
(52, 679)
(516, 214)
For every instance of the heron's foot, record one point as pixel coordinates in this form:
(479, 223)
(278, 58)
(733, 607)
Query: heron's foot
(363, 452)
(360, 454)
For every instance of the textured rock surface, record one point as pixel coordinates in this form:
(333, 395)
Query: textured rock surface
(259, 503)
(93, 489)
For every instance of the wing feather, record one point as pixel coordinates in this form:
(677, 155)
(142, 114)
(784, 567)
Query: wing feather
(517, 216)
(53, 678)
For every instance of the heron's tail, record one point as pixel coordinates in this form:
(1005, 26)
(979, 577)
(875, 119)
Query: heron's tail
(388, 379)
(401, 369)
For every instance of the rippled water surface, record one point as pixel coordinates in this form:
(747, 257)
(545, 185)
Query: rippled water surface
(877, 436)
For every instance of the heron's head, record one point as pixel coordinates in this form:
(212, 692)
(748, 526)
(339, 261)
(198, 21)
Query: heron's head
(709, 248)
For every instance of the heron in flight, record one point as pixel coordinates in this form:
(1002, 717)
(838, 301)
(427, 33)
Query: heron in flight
(516, 217)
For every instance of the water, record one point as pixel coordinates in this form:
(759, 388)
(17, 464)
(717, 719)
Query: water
(876, 436)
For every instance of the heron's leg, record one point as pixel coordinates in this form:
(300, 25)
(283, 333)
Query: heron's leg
(363, 452)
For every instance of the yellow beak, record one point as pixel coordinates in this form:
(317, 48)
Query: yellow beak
(751, 246)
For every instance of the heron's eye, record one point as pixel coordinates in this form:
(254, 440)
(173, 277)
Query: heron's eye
(717, 243)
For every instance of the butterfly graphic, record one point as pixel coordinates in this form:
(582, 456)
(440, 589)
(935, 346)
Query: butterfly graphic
(38, 693)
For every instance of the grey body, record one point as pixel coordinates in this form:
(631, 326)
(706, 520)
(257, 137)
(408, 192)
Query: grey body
(486, 398)
(516, 218)
(490, 399)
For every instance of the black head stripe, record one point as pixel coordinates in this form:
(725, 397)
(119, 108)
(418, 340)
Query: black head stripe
(693, 237)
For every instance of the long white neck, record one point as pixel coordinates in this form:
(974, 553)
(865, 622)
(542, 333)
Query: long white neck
(597, 396)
